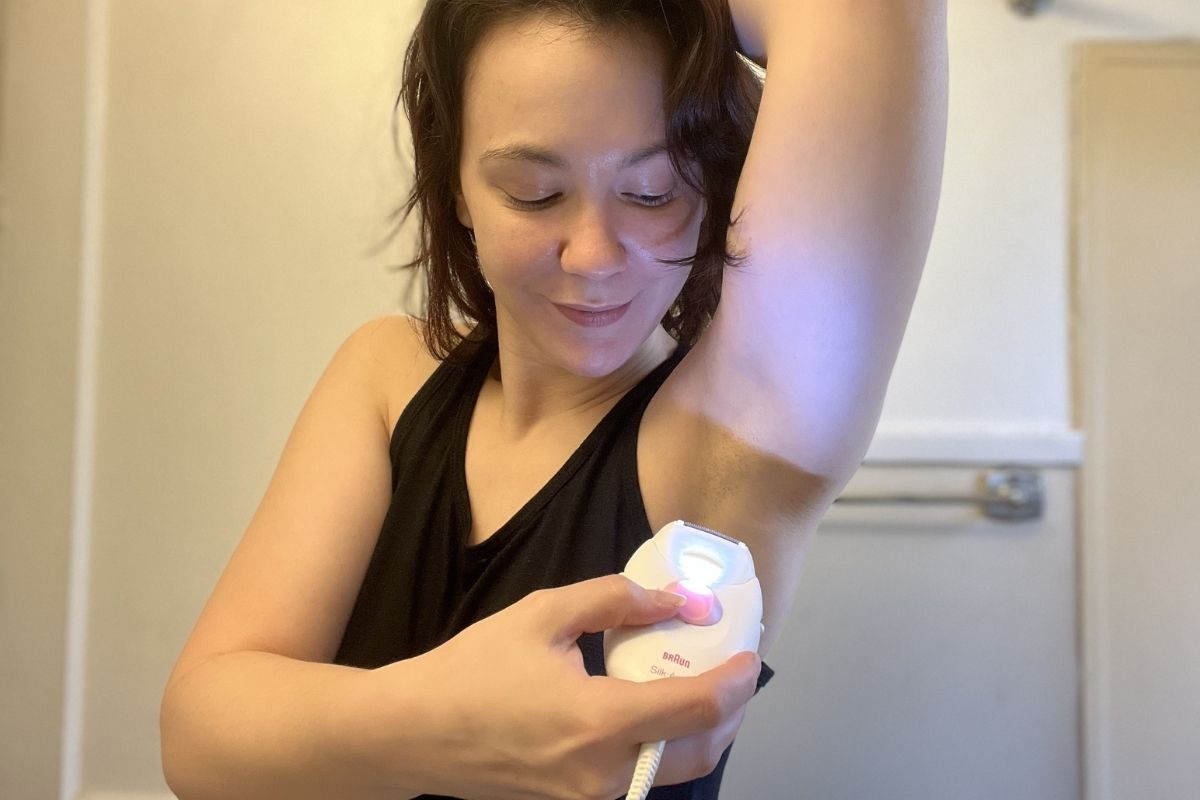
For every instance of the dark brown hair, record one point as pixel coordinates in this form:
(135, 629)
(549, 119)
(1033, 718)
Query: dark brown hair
(711, 102)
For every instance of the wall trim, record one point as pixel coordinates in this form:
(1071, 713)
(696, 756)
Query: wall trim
(1086, 341)
(937, 443)
(84, 451)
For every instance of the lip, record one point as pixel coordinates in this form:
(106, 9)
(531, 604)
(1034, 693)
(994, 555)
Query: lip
(593, 316)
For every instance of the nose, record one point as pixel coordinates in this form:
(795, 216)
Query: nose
(591, 247)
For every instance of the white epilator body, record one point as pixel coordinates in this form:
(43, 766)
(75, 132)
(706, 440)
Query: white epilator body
(720, 570)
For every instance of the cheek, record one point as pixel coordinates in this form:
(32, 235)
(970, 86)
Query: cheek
(674, 230)
(515, 250)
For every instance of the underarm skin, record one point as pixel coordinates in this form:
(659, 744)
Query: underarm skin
(835, 206)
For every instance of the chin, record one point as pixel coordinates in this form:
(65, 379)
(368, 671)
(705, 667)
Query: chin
(595, 356)
(589, 353)
(596, 359)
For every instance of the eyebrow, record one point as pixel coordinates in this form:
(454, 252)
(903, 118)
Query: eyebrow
(538, 155)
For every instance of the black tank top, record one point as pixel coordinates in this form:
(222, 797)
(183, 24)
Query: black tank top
(424, 584)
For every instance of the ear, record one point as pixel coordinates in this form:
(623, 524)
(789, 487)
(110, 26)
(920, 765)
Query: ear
(460, 208)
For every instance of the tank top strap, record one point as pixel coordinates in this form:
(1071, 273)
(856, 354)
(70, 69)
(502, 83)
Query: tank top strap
(459, 376)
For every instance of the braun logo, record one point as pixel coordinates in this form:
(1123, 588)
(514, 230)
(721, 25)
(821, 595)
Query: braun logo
(675, 658)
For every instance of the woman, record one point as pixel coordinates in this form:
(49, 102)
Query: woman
(414, 608)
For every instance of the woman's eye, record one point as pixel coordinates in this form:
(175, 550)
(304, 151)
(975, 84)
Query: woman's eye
(646, 200)
(531, 205)
(653, 200)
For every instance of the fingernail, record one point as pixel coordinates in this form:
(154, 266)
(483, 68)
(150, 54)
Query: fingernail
(669, 599)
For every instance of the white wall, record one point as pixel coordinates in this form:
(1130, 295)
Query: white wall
(986, 355)
(247, 169)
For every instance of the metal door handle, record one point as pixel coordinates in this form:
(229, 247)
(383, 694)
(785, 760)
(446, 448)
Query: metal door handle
(1005, 493)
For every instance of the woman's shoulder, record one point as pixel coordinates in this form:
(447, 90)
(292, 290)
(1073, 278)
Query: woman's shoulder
(393, 348)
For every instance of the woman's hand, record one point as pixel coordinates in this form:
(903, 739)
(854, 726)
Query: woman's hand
(513, 714)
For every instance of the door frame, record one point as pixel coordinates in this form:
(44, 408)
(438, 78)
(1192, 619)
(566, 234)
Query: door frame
(1087, 373)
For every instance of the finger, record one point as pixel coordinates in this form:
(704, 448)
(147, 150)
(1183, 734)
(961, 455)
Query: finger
(596, 605)
(670, 708)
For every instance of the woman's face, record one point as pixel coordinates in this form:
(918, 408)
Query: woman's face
(570, 192)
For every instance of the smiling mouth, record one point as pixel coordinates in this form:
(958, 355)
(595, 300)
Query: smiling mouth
(593, 316)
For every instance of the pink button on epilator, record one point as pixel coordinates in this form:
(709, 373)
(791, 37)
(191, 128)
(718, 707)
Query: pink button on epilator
(701, 607)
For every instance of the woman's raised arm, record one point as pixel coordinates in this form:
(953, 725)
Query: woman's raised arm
(834, 211)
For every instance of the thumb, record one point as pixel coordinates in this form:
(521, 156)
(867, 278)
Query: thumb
(599, 604)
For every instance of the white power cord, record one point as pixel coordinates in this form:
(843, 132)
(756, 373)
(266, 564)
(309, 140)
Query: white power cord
(643, 773)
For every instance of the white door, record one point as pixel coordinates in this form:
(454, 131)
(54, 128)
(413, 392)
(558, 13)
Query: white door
(1138, 359)
(930, 654)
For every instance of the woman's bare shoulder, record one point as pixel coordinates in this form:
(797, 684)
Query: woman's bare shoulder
(401, 363)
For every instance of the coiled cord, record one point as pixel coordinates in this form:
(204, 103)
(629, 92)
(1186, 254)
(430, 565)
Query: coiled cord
(649, 756)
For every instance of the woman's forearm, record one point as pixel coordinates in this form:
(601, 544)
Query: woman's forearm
(260, 725)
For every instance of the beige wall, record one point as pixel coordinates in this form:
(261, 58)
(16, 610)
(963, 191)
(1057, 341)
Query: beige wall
(41, 135)
(248, 171)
